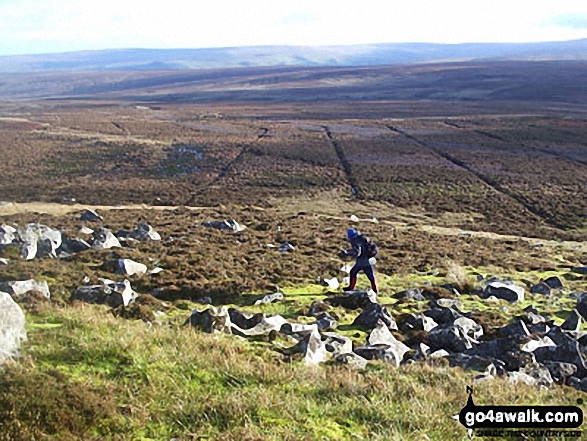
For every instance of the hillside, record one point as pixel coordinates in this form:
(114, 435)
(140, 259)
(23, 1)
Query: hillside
(357, 55)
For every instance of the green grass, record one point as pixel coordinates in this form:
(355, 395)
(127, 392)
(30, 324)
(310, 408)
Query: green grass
(162, 382)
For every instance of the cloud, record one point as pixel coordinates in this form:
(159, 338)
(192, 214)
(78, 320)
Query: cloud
(571, 21)
(297, 18)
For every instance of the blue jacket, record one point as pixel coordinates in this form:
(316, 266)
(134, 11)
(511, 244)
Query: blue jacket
(358, 250)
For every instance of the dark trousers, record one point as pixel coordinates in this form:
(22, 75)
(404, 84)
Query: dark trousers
(367, 268)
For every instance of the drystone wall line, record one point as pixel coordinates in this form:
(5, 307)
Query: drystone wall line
(120, 127)
(536, 149)
(487, 180)
(345, 164)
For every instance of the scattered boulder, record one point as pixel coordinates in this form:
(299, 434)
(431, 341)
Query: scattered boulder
(554, 282)
(228, 224)
(579, 269)
(144, 232)
(573, 322)
(391, 353)
(317, 307)
(73, 246)
(415, 322)
(560, 371)
(541, 288)
(7, 234)
(270, 298)
(350, 300)
(515, 329)
(373, 313)
(581, 306)
(326, 322)
(90, 216)
(12, 327)
(443, 316)
(337, 344)
(104, 239)
(130, 267)
(504, 290)
(286, 247)
(211, 320)
(18, 288)
(332, 283)
(39, 240)
(108, 293)
(451, 338)
(411, 294)
(351, 359)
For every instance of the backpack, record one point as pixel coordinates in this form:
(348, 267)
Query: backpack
(370, 248)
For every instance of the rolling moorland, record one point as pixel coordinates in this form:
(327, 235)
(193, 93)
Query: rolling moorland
(459, 172)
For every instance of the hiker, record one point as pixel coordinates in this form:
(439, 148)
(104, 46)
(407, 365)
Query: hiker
(363, 250)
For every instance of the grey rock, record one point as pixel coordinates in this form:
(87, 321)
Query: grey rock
(416, 322)
(109, 293)
(412, 294)
(515, 330)
(574, 382)
(144, 232)
(244, 321)
(504, 290)
(350, 300)
(39, 240)
(541, 288)
(317, 307)
(270, 298)
(443, 316)
(536, 343)
(90, 216)
(286, 247)
(228, 224)
(393, 354)
(581, 306)
(326, 322)
(130, 267)
(351, 359)
(337, 344)
(560, 371)
(12, 327)
(104, 239)
(312, 346)
(554, 282)
(539, 372)
(7, 234)
(579, 269)
(520, 377)
(73, 246)
(18, 288)
(451, 338)
(469, 327)
(371, 314)
(573, 321)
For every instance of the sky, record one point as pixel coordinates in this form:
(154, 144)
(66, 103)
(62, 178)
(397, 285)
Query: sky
(48, 26)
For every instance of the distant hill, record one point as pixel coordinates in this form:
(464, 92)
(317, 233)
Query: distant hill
(299, 56)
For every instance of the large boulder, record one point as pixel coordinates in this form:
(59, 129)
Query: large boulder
(7, 234)
(372, 314)
(109, 293)
(130, 267)
(228, 224)
(144, 232)
(18, 288)
(504, 290)
(90, 216)
(12, 327)
(451, 338)
(39, 240)
(104, 239)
